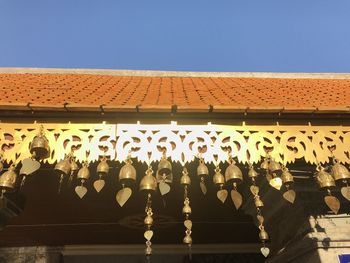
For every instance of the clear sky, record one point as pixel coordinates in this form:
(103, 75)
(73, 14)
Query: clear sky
(183, 35)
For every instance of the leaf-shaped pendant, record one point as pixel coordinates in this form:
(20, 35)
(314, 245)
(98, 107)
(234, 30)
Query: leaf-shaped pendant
(289, 196)
(276, 183)
(236, 198)
(222, 195)
(333, 203)
(345, 191)
(81, 191)
(123, 196)
(99, 184)
(164, 188)
(265, 251)
(29, 166)
(203, 187)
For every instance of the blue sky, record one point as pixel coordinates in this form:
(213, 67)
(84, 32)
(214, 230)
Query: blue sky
(185, 35)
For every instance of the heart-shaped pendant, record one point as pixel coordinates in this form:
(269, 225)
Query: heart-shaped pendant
(148, 235)
(203, 187)
(81, 191)
(333, 203)
(289, 196)
(265, 251)
(164, 188)
(188, 224)
(123, 195)
(254, 189)
(345, 191)
(222, 195)
(236, 198)
(276, 183)
(99, 184)
(29, 166)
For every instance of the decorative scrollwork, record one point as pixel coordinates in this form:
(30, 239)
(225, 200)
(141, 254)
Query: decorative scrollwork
(182, 143)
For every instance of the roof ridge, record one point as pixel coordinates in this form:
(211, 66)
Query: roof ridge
(156, 73)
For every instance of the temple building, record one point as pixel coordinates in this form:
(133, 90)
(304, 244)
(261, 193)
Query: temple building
(154, 166)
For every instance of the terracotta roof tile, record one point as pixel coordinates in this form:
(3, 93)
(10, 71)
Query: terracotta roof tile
(88, 92)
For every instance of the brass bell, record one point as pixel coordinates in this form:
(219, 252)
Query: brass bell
(102, 167)
(127, 172)
(233, 173)
(258, 202)
(8, 179)
(324, 179)
(275, 167)
(164, 171)
(148, 182)
(263, 235)
(40, 147)
(218, 178)
(265, 164)
(148, 220)
(252, 173)
(185, 178)
(287, 177)
(84, 173)
(340, 172)
(164, 166)
(63, 166)
(186, 209)
(202, 169)
(74, 166)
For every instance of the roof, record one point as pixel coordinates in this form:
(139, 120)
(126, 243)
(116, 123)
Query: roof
(158, 91)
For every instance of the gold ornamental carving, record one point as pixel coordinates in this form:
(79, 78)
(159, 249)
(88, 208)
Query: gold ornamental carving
(182, 143)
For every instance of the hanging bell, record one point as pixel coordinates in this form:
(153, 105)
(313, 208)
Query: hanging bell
(39, 147)
(127, 172)
(218, 178)
(84, 173)
(185, 178)
(233, 173)
(148, 182)
(265, 163)
(102, 167)
(252, 173)
(8, 179)
(164, 167)
(287, 177)
(263, 235)
(202, 169)
(73, 166)
(63, 166)
(340, 172)
(324, 179)
(275, 167)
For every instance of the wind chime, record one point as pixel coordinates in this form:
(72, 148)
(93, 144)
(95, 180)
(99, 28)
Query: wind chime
(219, 181)
(127, 177)
(102, 171)
(234, 176)
(254, 189)
(82, 176)
(164, 175)
(185, 180)
(40, 150)
(342, 176)
(202, 172)
(148, 184)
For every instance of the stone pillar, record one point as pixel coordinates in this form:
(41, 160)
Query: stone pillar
(305, 231)
(320, 239)
(31, 255)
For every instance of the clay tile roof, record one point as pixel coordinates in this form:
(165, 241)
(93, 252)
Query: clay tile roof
(120, 91)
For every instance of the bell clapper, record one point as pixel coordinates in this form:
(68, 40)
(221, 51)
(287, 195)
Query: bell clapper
(60, 183)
